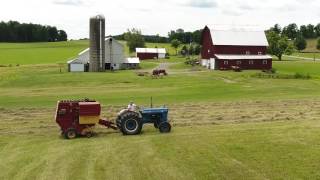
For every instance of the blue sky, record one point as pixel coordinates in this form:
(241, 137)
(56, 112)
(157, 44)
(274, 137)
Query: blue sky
(160, 16)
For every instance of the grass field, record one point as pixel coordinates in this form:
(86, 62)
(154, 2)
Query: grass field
(227, 125)
(307, 55)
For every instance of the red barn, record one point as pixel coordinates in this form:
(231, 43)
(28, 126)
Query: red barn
(223, 50)
(150, 53)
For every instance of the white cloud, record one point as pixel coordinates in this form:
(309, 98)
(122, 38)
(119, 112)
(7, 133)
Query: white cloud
(160, 16)
(202, 3)
(69, 2)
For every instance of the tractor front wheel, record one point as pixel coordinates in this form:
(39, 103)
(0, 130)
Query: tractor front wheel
(70, 134)
(164, 127)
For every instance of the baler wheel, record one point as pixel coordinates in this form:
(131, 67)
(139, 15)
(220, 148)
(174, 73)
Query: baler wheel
(164, 127)
(70, 134)
(131, 123)
(89, 134)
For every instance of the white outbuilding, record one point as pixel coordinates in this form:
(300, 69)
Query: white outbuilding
(114, 58)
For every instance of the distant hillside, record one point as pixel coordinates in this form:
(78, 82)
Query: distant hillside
(311, 46)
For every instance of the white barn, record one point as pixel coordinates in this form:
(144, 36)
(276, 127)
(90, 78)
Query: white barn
(114, 58)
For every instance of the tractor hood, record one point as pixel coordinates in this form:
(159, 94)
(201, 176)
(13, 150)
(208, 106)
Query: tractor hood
(155, 110)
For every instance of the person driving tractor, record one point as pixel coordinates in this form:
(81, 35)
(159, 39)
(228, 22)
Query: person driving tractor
(132, 106)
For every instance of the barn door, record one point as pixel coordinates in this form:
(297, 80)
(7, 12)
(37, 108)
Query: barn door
(212, 64)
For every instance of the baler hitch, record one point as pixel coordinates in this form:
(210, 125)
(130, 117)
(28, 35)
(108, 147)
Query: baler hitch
(108, 124)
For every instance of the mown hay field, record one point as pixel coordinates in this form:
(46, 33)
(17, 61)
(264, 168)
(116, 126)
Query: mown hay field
(226, 125)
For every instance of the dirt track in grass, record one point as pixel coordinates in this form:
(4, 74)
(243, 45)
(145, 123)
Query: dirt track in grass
(38, 121)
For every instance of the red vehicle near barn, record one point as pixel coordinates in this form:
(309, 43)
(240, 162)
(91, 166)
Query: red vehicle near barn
(224, 50)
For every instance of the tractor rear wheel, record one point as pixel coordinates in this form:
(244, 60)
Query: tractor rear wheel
(164, 127)
(70, 134)
(131, 123)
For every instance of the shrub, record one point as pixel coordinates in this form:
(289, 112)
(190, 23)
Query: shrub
(281, 76)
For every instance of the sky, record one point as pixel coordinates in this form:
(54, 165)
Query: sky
(160, 16)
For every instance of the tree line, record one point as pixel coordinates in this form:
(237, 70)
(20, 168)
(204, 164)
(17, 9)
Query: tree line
(279, 38)
(14, 31)
(179, 34)
(188, 41)
(147, 38)
(185, 37)
(292, 31)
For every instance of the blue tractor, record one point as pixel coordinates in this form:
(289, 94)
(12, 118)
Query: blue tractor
(131, 122)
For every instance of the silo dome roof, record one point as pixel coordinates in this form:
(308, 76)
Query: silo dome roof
(99, 16)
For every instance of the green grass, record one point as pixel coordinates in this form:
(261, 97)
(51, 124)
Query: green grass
(51, 53)
(304, 67)
(30, 147)
(34, 86)
(40, 53)
(274, 150)
(307, 55)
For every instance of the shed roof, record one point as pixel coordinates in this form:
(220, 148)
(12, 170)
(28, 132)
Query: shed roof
(151, 50)
(132, 61)
(78, 61)
(240, 57)
(239, 38)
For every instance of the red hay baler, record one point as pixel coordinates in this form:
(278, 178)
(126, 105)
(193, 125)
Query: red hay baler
(79, 118)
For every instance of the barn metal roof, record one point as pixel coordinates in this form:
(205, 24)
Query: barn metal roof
(239, 38)
(239, 57)
(151, 50)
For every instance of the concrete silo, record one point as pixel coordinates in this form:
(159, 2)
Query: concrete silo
(97, 44)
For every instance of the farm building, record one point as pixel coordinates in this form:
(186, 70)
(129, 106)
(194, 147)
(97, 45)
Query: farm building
(151, 53)
(223, 50)
(114, 58)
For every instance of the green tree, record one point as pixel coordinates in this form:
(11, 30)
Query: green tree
(300, 43)
(290, 31)
(311, 31)
(184, 50)
(278, 45)
(197, 49)
(318, 44)
(191, 49)
(317, 30)
(175, 44)
(62, 35)
(304, 31)
(185, 37)
(134, 39)
(14, 31)
(276, 28)
(53, 34)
